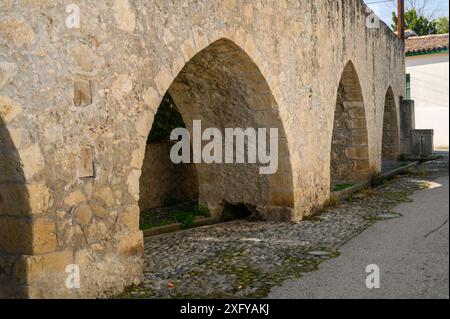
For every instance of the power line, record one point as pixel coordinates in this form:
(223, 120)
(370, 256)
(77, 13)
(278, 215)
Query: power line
(381, 1)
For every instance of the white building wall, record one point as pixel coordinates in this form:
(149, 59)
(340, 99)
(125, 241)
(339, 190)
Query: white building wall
(429, 90)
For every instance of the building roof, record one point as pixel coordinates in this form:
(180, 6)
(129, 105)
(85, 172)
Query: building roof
(426, 44)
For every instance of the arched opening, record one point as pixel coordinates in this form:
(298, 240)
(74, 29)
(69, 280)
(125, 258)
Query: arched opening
(391, 139)
(166, 189)
(15, 223)
(223, 88)
(349, 147)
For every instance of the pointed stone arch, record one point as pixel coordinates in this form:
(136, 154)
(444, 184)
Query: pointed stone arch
(224, 88)
(349, 147)
(15, 223)
(391, 136)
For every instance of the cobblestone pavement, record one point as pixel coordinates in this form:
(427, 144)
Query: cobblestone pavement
(245, 259)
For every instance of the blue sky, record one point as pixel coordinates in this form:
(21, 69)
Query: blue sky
(384, 9)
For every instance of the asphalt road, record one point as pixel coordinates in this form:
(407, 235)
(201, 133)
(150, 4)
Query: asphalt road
(412, 253)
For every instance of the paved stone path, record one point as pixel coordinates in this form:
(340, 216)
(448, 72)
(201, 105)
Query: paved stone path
(247, 259)
(412, 253)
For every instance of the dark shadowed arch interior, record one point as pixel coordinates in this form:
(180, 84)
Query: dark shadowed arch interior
(223, 88)
(391, 138)
(15, 223)
(349, 148)
(176, 183)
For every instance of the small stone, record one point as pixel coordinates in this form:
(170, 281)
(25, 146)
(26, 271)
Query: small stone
(124, 15)
(83, 215)
(9, 109)
(151, 98)
(122, 86)
(86, 162)
(82, 95)
(75, 198)
(44, 234)
(106, 195)
(33, 161)
(39, 196)
(7, 72)
(16, 32)
(389, 216)
(319, 253)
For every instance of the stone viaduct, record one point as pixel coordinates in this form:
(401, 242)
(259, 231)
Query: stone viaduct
(77, 105)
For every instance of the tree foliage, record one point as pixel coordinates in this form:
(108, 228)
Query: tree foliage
(420, 24)
(167, 118)
(441, 25)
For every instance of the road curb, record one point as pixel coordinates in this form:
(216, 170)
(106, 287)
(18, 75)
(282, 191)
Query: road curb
(199, 222)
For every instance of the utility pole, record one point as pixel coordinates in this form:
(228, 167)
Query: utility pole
(401, 20)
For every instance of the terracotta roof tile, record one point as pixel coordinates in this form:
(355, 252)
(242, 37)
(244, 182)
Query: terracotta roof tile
(426, 43)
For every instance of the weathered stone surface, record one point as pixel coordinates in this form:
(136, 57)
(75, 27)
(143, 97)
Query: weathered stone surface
(151, 97)
(350, 161)
(229, 63)
(124, 15)
(16, 31)
(39, 197)
(9, 109)
(47, 263)
(391, 128)
(133, 183)
(75, 198)
(122, 86)
(6, 4)
(85, 60)
(163, 80)
(83, 215)
(86, 162)
(130, 218)
(162, 180)
(131, 244)
(7, 72)
(37, 3)
(106, 195)
(143, 124)
(96, 231)
(33, 161)
(44, 236)
(82, 95)
(115, 273)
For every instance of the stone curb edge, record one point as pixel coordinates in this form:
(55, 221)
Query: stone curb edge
(343, 194)
(208, 221)
(199, 222)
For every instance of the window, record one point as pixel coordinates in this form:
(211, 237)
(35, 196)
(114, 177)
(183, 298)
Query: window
(408, 86)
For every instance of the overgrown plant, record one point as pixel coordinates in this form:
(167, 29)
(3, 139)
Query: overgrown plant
(340, 187)
(184, 215)
(332, 202)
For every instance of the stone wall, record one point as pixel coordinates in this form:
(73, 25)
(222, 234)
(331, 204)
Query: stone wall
(407, 126)
(222, 87)
(423, 142)
(161, 180)
(391, 131)
(75, 119)
(350, 148)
